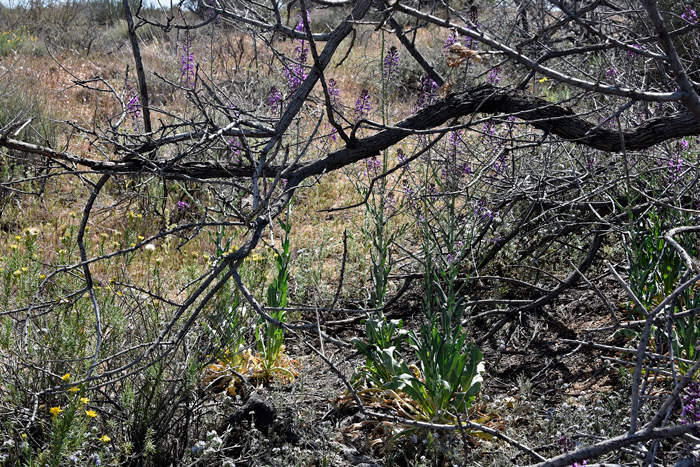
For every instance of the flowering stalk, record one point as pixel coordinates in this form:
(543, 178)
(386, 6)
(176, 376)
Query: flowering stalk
(187, 64)
(133, 108)
(362, 105)
(296, 73)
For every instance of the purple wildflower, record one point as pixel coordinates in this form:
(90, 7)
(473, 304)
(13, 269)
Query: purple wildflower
(390, 203)
(677, 161)
(474, 20)
(409, 195)
(234, 148)
(452, 171)
(403, 160)
(334, 93)
(494, 75)
(333, 134)
(611, 74)
(274, 98)
(690, 16)
(591, 162)
(296, 73)
(565, 444)
(391, 62)
(182, 206)
(489, 128)
(500, 165)
(362, 106)
(631, 56)
(187, 64)
(451, 39)
(374, 166)
(675, 166)
(428, 94)
(133, 108)
(452, 258)
(482, 211)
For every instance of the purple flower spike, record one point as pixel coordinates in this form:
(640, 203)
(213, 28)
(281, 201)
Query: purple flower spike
(494, 75)
(428, 94)
(391, 62)
(274, 98)
(611, 74)
(690, 16)
(133, 108)
(187, 64)
(362, 106)
(295, 72)
(334, 94)
(374, 166)
(633, 55)
(403, 160)
(451, 39)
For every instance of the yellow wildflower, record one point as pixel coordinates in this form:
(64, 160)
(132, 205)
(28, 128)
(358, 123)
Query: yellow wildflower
(42, 276)
(105, 439)
(65, 377)
(74, 389)
(91, 413)
(17, 273)
(14, 246)
(544, 80)
(25, 269)
(55, 411)
(141, 237)
(84, 400)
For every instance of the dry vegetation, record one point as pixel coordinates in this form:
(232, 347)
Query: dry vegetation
(152, 314)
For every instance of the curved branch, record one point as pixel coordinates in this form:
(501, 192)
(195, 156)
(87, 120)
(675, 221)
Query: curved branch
(487, 99)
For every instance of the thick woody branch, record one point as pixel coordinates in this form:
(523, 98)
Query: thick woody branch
(485, 99)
